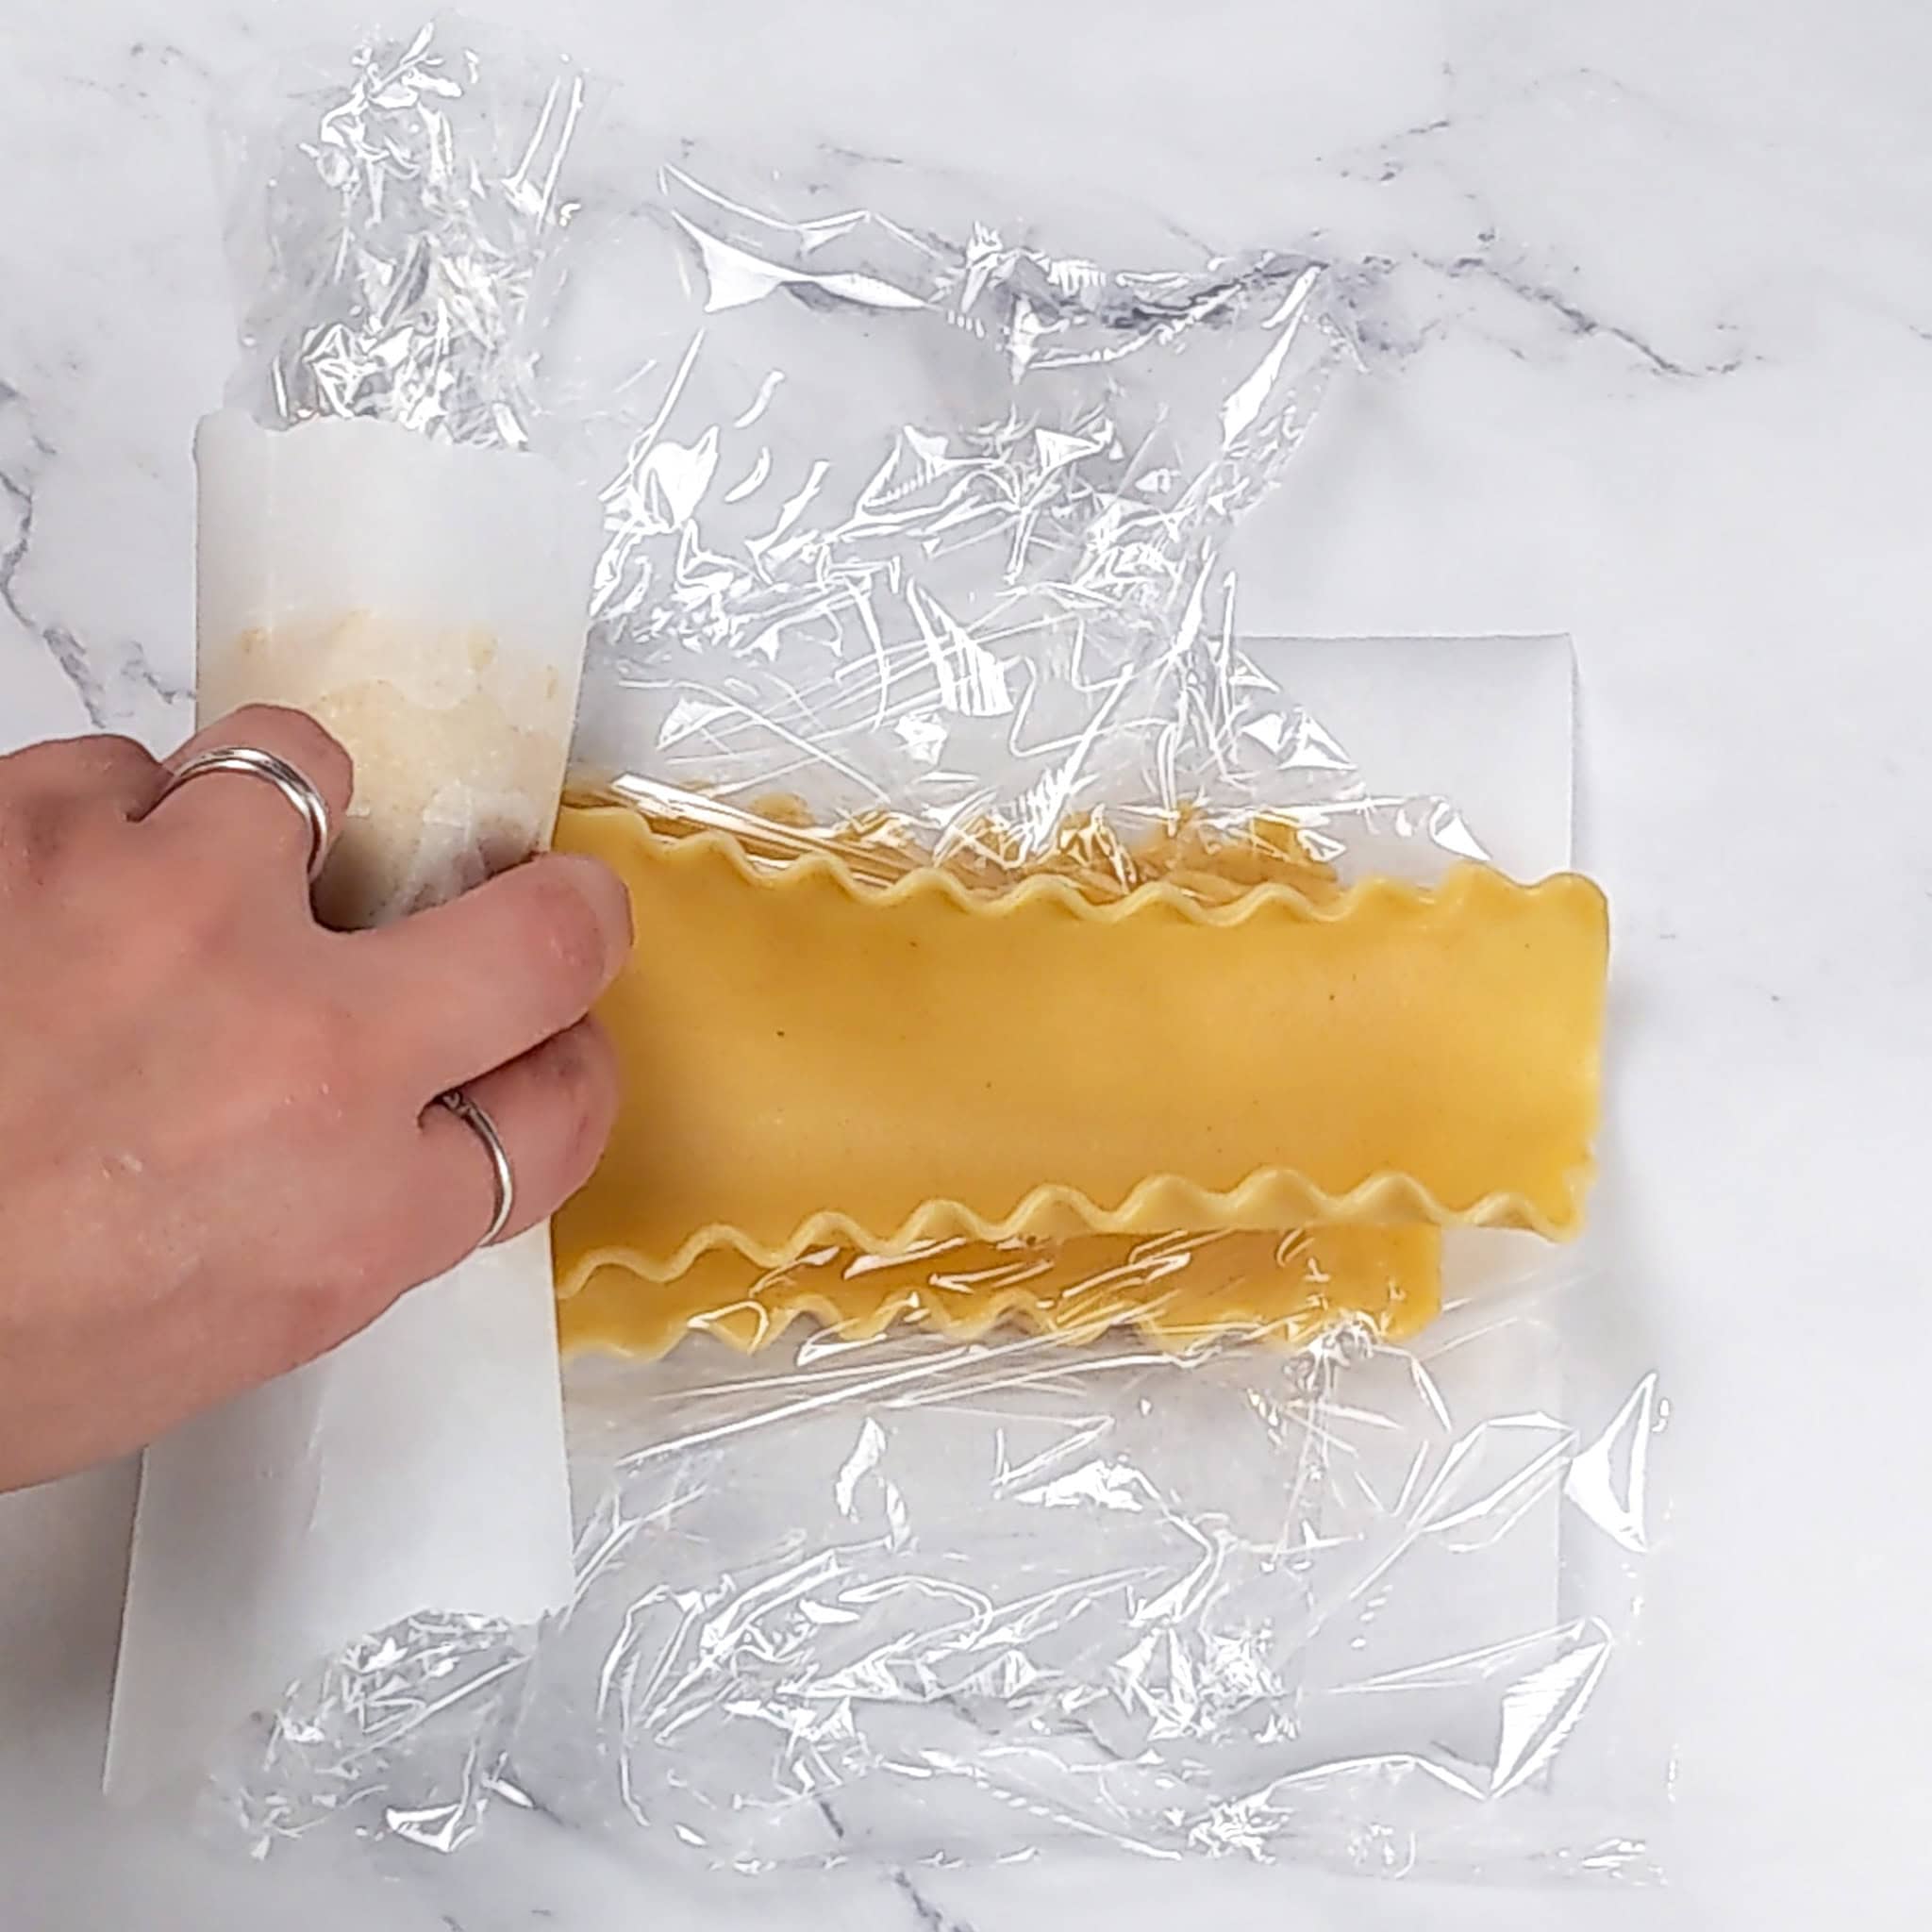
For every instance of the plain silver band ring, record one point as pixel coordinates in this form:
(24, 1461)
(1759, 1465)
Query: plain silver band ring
(484, 1128)
(252, 763)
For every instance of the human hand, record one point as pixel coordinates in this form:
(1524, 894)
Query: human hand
(219, 1151)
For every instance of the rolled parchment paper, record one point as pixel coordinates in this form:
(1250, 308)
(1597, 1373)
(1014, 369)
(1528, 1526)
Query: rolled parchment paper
(427, 603)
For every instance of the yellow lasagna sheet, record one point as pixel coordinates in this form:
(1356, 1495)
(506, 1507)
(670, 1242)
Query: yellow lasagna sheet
(812, 1061)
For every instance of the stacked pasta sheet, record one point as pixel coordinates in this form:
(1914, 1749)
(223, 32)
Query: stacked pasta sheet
(1192, 1082)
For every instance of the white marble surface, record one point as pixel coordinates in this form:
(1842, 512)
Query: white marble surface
(1653, 301)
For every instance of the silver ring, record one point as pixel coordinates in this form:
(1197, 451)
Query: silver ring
(294, 786)
(484, 1128)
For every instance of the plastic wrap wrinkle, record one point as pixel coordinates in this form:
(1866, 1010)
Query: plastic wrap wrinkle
(994, 568)
(397, 233)
(1306, 1653)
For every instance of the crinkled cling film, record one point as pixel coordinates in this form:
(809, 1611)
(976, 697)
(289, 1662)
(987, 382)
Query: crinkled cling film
(1300, 1534)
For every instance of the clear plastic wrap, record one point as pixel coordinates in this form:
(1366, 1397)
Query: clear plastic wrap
(986, 589)
(913, 522)
(926, 527)
(910, 1597)
(395, 228)
(916, 1598)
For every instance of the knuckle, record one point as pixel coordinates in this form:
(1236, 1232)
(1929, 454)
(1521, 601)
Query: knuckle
(121, 759)
(40, 768)
(35, 832)
(50, 797)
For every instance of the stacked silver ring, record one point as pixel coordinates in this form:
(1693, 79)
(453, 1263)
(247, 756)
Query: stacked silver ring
(249, 761)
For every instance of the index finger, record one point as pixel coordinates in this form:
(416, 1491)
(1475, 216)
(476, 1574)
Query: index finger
(470, 985)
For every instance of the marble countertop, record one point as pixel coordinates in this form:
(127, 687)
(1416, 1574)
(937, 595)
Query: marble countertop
(1653, 293)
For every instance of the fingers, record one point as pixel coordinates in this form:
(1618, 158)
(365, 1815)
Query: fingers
(553, 1109)
(475, 984)
(489, 994)
(239, 816)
